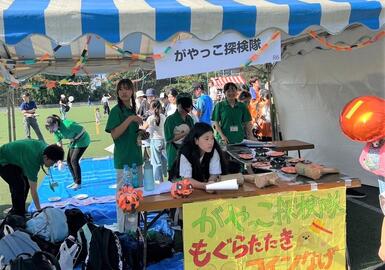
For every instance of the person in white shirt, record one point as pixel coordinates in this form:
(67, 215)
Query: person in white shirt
(171, 106)
(200, 158)
(155, 126)
(105, 103)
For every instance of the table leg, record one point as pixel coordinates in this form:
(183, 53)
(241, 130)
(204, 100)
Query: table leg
(299, 153)
(146, 226)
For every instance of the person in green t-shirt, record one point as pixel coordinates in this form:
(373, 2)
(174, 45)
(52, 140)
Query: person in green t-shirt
(79, 141)
(123, 124)
(176, 128)
(20, 162)
(232, 120)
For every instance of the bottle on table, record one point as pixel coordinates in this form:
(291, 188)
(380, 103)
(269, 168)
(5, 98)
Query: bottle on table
(127, 178)
(135, 177)
(148, 176)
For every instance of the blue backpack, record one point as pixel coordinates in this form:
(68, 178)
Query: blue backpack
(15, 243)
(49, 224)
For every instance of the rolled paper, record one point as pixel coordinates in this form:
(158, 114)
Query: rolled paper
(223, 185)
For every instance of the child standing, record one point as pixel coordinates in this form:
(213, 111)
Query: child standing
(155, 123)
(97, 121)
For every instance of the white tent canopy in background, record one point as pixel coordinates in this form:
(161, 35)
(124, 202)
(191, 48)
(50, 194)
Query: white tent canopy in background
(311, 89)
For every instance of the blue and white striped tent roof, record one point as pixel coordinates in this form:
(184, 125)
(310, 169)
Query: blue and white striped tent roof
(66, 20)
(30, 28)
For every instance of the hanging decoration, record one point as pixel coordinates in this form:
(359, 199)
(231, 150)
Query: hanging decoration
(83, 58)
(366, 41)
(263, 48)
(142, 57)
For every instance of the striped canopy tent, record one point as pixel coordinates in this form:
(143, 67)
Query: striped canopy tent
(219, 82)
(59, 29)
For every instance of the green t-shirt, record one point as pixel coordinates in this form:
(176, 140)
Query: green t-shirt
(126, 151)
(173, 121)
(26, 154)
(231, 120)
(69, 129)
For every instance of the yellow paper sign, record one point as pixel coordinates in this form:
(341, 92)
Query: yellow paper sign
(291, 230)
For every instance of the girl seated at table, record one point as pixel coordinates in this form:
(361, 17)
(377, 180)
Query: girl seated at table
(200, 158)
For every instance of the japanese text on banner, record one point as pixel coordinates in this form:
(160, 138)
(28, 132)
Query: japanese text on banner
(230, 50)
(293, 230)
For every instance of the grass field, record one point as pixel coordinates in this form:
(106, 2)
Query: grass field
(84, 115)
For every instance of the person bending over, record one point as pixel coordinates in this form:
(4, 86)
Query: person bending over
(20, 162)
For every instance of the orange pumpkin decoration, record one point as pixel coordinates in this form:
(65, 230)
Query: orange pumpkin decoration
(363, 119)
(181, 189)
(128, 198)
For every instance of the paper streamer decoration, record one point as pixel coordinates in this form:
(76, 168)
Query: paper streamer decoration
(367, 41)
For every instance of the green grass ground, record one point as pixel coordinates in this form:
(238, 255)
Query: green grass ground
(84, 115)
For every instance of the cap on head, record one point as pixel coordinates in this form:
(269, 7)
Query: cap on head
(150, 92)
(197, 85)
(140, 93)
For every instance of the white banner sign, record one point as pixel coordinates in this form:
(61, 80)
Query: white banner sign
(227, 51)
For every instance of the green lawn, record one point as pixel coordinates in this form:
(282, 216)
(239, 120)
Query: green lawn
(84, 115)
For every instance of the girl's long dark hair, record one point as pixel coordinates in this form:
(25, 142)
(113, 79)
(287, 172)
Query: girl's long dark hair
(157, 107)
(127, 83)
(200, 169)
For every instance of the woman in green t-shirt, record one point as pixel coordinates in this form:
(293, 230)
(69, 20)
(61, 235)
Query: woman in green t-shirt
(123, 124)
(79, 141)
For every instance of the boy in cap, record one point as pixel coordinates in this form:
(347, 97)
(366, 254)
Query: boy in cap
(177, 126)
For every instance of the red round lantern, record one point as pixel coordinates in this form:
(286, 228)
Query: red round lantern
(128, 198)
(363, 119)
(181, 189)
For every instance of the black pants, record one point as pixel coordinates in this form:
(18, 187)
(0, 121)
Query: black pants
(106, 108)
(73, 157)
(18, 186)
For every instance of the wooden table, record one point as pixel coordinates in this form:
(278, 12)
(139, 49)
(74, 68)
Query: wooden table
(165, 201)
(292, 145)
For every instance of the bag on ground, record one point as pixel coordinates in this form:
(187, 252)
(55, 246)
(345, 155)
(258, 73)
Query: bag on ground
(18, 242)
(105, 252)
(40, 260)
(49, 224)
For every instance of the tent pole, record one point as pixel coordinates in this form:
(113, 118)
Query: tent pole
(13, 114)
(273, 111)
(9, 118)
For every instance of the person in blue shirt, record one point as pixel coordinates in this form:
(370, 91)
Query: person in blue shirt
(254, 88)
(204, 104)
(28, 108)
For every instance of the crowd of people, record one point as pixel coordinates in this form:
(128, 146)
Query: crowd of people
(184, 137)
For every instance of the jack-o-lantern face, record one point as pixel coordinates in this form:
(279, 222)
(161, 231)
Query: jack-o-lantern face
(128, 198)
(363, 119)
(181, 189)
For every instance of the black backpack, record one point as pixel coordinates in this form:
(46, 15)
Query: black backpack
(39, 261)
(76, 219)
(105, 252)
(16, 222)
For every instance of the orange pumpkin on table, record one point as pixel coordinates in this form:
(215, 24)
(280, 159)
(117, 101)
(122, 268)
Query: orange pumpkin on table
(128, 198)
(181, 189)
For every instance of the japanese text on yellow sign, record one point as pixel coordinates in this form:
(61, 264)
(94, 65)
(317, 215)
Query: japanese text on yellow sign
(292, 230)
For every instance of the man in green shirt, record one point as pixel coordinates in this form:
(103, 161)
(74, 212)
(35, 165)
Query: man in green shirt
(176, 127)
(20, 162)
(232, 120)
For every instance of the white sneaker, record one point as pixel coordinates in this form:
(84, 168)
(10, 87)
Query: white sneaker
(74, 186)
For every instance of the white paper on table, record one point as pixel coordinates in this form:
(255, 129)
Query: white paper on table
(110, 148)
(163, 187)
(223, 185)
